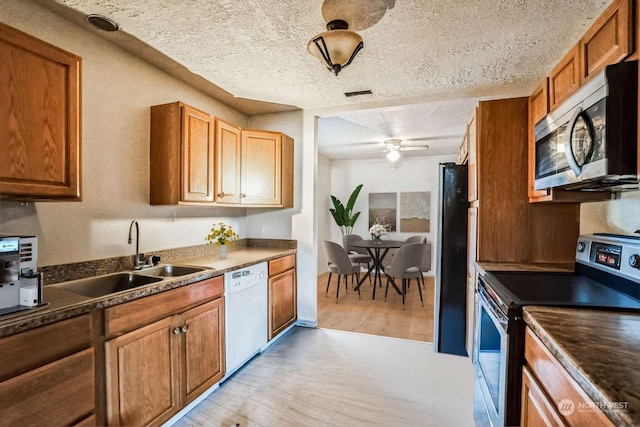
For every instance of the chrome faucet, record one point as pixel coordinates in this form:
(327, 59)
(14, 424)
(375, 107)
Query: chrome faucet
(137, 262)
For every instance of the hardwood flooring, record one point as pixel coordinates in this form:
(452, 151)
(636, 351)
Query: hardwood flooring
(320, 377)
(377, 317)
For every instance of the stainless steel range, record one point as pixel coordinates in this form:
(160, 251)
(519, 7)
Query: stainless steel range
(606, 276)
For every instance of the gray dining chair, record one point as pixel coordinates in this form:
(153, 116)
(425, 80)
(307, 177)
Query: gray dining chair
(406, 265)
(420, 239)
(339, 263)
(357, 255)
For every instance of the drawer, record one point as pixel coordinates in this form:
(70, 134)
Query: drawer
(132, 315)
(62, 393)
(555, 380)
(34, 348)
(278, 265)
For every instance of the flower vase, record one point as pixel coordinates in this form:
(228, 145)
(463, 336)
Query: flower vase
(376, 239)
(222, 251)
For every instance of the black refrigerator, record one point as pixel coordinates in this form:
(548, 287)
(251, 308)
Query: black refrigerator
(451, 260)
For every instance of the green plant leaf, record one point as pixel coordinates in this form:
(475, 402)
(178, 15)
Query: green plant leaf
(354, 196)
(354, 218)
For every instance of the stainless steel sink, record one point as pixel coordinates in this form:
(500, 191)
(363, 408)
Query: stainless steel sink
(99, 286)
(170, 270)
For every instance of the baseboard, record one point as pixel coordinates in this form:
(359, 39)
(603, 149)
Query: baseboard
(191, 405)
(307, 323)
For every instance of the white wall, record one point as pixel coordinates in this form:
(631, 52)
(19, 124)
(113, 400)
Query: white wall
(325, 221)
(117, 91)
(377, 176)
(616, 216)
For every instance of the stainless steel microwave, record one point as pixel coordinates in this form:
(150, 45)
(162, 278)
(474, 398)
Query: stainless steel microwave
(589, 142)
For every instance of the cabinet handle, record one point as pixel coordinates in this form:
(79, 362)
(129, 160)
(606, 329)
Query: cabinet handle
(243, 195)
(184, 329)
(176, 331)
(221, 195)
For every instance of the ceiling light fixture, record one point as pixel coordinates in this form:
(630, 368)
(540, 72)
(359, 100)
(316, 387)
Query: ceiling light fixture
(393, 154)
(337, 46)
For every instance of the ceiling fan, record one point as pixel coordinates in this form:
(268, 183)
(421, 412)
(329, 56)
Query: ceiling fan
(394, 146)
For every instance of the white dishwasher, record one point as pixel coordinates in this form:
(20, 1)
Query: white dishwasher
(245, 319)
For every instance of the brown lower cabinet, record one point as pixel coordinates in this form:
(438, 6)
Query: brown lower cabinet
(154, 370)
(282, 294)
(550, 397)
(47, 375)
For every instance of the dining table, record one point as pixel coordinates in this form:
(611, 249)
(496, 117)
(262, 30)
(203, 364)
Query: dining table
(377, 249)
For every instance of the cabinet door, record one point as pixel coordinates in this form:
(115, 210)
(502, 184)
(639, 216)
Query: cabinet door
(197, 155)
(537, 409)
(472, 144)
(261, 168)
(283, 301)
(538, 109)
(564, 79)
(609, 40)
(39, 119)
(140, 367)
(202, 351)
(61, 393)
(228, 154)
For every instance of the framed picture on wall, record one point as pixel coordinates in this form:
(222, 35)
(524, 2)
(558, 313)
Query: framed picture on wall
(382, 209)
(415, 211)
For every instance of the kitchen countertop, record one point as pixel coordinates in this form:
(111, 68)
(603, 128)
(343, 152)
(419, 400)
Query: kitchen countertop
(64, 304)
(599, 349)
(513, 266)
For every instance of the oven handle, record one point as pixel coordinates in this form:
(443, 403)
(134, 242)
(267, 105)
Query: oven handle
(498, 317)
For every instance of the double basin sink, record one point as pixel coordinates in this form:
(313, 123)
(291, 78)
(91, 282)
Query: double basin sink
(99, 286)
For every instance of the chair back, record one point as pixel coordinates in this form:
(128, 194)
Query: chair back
(416, 239)
(409, 255)
(347, 239)
(337, 256)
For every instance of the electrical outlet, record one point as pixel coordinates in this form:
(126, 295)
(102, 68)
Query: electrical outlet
(262, 229)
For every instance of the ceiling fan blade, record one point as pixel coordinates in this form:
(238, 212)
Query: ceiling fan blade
(414, 148)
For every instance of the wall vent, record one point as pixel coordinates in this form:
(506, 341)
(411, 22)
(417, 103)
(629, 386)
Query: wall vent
(358, 93)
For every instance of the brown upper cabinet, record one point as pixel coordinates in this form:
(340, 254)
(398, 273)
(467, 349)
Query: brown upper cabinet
(538, 109)
(608, 40)
(253, 168)
(564, 79)
(267, 169)
(228, 155)
(199, 160)
(181, 155)
(40, 120)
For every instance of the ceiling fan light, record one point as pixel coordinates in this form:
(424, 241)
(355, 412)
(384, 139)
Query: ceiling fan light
(393, 155)
(336, 47)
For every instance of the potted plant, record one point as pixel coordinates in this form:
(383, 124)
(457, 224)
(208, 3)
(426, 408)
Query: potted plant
(343, 215)
(222, 236)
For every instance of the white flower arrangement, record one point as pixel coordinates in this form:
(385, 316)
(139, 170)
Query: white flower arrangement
(378, 230)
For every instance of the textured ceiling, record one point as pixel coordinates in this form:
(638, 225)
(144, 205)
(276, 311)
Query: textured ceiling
(431, 50)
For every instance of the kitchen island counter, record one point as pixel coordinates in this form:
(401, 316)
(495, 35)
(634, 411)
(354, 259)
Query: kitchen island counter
(599, 350)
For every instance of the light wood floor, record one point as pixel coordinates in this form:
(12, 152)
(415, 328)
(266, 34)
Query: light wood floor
(320, 377)
(377, 317)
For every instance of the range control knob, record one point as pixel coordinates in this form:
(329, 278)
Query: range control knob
(581, 246)
(634, 261)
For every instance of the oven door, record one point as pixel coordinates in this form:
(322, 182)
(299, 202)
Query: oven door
(491, 348)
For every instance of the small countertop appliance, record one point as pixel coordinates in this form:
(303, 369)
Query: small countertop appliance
(20, 282)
